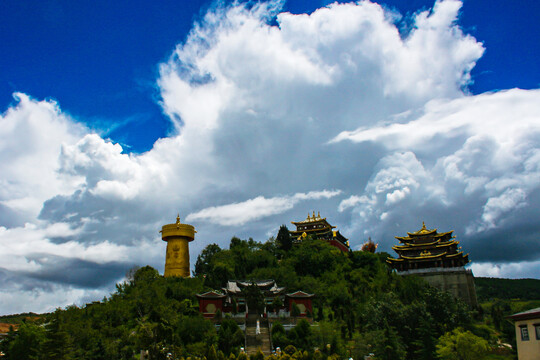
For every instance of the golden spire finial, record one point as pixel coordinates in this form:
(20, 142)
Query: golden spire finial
(313, 214)
(178, 218)
(319, 214)
(423, 226)
(308, 218)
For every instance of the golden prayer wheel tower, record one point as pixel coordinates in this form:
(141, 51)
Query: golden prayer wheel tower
(177, 237)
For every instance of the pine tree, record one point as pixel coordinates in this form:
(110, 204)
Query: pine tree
(283, 238)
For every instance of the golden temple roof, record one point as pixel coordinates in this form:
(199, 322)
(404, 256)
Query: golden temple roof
(317, 230)
(436, 243)
(423, 231)
(426, 248)
(310, 219)
(458, 254)
(423, 256)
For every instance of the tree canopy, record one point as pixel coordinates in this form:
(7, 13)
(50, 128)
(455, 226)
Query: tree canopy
(360, 307)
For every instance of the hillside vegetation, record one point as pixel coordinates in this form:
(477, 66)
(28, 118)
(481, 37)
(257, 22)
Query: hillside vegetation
(361, 307)
(507, 289)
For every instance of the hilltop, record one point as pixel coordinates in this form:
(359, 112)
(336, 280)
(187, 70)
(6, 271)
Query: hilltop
(360, 307)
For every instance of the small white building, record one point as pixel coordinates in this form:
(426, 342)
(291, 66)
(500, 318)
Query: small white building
(527, 325)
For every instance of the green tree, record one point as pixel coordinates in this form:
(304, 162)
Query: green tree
(230, 337)
(497, 316)
(57, 344)
(257, 356)
(301, 335)
(27, 343)
(295, 311)
(279, 336)
(277, 304)
(424, 342)
(145, 274)
(212, 354)
(254, 298)
(218, 315)
(461, 345)
(289, 350)
(283, 239)
(388, 345)
(203, 265)
(7, 341)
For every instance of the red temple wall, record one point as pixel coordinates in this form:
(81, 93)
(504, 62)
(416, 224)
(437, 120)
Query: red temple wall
(203, 303)
(339, 245)
(298, 301)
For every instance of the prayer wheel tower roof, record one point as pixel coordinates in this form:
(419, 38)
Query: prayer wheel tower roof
(177, 230)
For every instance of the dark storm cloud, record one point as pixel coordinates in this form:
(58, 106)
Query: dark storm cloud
(82, 274)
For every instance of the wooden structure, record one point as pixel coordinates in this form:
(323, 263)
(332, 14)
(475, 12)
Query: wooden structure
(426, 249)
(210, 302)
(319, 228)
(234, 299)
(302, 301)
(438, 259)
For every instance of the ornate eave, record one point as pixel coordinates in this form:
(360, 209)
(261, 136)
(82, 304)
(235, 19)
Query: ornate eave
(424, 255)
(338, 235)
(210, 295)
(300, 295)
(326, 228)
(436, 243)
(446, 244)
(444, 233)
(458, 254)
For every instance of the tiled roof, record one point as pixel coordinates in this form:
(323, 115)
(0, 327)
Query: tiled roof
(525, 315)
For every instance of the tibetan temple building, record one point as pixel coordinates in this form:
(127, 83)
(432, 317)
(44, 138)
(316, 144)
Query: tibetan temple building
(426, 249)
(232, 299)
(319, 228)
(436, 257)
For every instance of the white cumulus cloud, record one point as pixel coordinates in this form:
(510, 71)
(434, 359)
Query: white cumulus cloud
(337, 99)
(238, 214)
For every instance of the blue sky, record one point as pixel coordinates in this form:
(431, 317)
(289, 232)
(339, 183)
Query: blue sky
(245, 116)
(99, 59)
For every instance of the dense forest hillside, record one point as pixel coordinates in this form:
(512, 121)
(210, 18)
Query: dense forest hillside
(360, 308)
(507, 289)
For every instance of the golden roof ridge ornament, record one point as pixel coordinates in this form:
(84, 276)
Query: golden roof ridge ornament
(425, 253)
(423, 230)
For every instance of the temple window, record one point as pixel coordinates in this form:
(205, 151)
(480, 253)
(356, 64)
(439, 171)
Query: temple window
(524, 332)
(537, 331)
